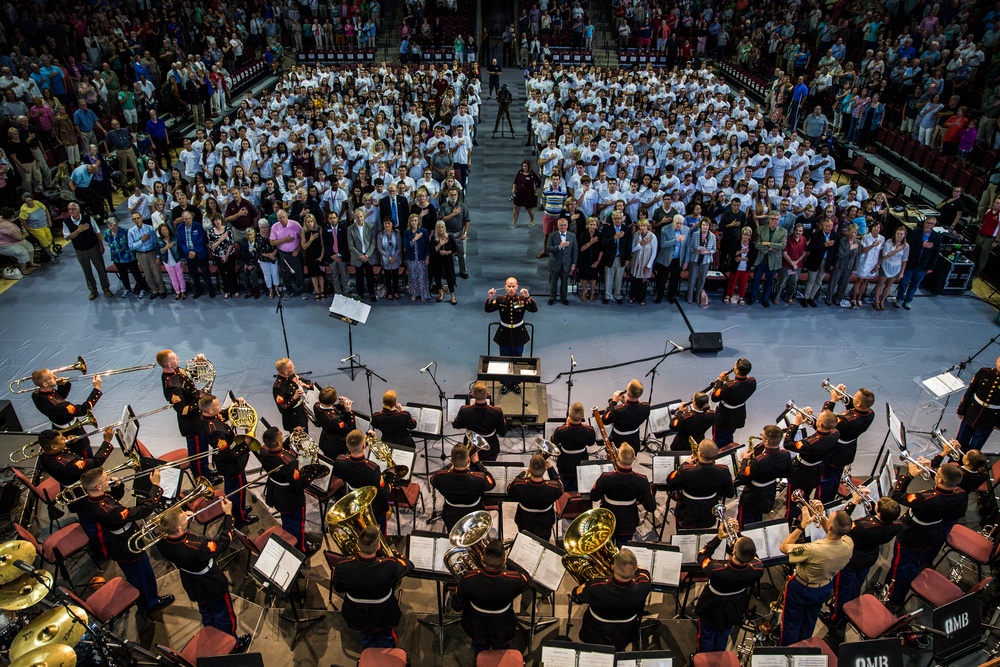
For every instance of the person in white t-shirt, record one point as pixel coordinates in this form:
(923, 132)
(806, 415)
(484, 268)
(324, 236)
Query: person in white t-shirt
(191, 159)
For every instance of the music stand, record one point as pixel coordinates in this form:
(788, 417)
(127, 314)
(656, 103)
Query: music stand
(535, 556)
(883, 652)
(353, 312)
(276, 570)
(956, 628)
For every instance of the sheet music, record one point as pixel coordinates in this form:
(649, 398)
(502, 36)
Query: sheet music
(730, 464)
(277, 564)
(454, 405)
(666, 567)
(526, 552)
(170, 481)
(942, 385)
(400, 457)
(757, 660)
(529, 371)
(350, 308)
(688, 545)
(594, 659)
(558, 657)
(498, 368)
(659, 419)
(809, 660)
(441, 546)
(428, 419)
(774, 536)
(643, 557)
(895, 426)
(644, 662)
(422, 552)
(550, 570)
(662, 467)
(586, 475)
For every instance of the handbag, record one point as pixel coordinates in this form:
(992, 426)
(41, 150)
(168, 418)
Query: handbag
(12, 273)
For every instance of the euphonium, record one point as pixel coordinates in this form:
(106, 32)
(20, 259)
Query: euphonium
(75, 492)
(33, 449)
(477, 443)
(393, 474)
(469, 537)
(590, 549)
(150, 533)
(349, 516)
(547, 448)
(304, 446)
(608, 445)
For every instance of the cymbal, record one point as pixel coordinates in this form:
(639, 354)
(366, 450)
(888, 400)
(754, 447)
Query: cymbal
(51, 628)
(24, 592)
(56, 655)
(12, 551)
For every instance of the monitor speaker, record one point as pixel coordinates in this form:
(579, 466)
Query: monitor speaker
(706, 341)
(8, 418)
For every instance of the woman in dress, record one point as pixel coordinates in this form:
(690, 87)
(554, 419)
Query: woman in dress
(415, 253)
(525, 193)
(588, 263)
(311, 239)
(739, 270)
(871, 253)
(894, 256)
(641, 264)
(442, 266)
(224, 250)
(390, 253)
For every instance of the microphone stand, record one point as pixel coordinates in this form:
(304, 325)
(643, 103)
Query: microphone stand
(368, 377)
(427, 471)
(653, 372)
(569, 384)
(281, 313)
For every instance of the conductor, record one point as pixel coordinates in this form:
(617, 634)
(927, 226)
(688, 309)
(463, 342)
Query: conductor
(512, 334)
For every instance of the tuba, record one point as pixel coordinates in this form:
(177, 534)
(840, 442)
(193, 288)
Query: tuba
(393, 474)
(349, 516)
(590, 550)
(469, 538)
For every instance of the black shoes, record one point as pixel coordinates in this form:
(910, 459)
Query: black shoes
(250, 520)
(242, 643)
(516, 389)
(312, 547)
(551, 301)
(504, 389)
(605, 301)
(565, 302)
(161, 602)
(464, 276)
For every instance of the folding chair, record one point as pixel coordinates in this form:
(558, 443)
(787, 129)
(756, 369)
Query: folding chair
(206, 642)
(110, 602)
(383, 657)
(59, 547)
(872, 620)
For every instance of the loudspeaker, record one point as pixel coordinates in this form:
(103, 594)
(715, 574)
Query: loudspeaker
(706, 341)
(8, 418)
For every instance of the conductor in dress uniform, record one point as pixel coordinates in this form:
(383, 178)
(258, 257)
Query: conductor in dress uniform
(759, 474)
(50, 399)
(484, 419)
(731, 397)
(462, 484)
(700, 483)
(691, 420)
(723, 602)
(358, 471)
(620, 490)
(288, 396)
(511, 335)
(980, 408)
(203, 580)
(535, 497)
(616, 603)
(851, 424)
(626, 414)
(181, 392)
(573, 438)
(335, 416)
(486, 599)
(368, 584)
(285, 490)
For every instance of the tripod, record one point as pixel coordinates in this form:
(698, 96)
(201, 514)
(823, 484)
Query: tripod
(502, 111)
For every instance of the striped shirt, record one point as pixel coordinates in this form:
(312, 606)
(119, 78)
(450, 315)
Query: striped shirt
(554, 200)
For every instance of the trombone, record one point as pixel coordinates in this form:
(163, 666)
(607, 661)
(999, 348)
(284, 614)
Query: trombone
(33, 449)
(844, 396)
(906, 457)
(807, 416)
(547, 448)
(16, 388)
(75, 492)
(950, 448)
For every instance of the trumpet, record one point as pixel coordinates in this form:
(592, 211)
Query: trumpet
(608, 445)
(547, 448)
(33, 449)
(75, 492)
(809, 418)
(908, 458)
(799, 499)
(715, 383)
(729, 525)
(849, 483)
(16, 388)
(150, 533)
(950, 448)
(844, 396)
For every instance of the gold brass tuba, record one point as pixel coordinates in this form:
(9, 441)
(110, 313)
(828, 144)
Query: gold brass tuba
(469, 536)
(349, 516)
(590, 550)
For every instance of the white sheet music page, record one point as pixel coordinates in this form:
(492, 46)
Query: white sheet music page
(558, 657)
(643, 557)
(688, 545)
(526, 552)
(350, 308)
(594, 659)
(422, 552)
(768, 660)
(646, 662)
(662, 467)
(441, 546)
(269, 559)
(170, 481)
(666, 567)
(659, 419)
(720, 551)
(550, 570)
(498, 367)
(775, 535)
(430, 421)
(809, 661)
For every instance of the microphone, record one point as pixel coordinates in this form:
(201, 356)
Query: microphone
(424, 369)
(346, 359)
(572, 361)
(679, 348)
(25, 566)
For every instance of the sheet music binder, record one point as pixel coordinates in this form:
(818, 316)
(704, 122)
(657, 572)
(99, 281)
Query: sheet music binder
(429, 418)
(571, 654)
(588, 472)
(663, 558)
(644, 659)
(542, 570)
(504, 472)
(278, 564)
(766, 656)
(352, 311)
(440, 546)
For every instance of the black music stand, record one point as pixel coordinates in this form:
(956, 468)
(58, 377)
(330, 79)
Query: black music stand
(956, 628)
(426, 436)
(653, 372)
(439, 579)
(278, 578)
(520, 370)
(884, 652)
(353, 312)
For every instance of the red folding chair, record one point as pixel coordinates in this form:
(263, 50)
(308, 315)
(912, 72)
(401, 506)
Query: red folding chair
(45, 492)
(872, 620)
(60, 547)
(383, 657)
(971, 545)
(206, 642)
(110, 602)
(508, 658)
(716, 659)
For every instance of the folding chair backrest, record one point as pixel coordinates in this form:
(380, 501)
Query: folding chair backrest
(27, 536)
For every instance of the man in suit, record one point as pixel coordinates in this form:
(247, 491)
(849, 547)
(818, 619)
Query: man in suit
(616, 239)
(770, 245)
(193, 247)
(673, 250)
(563, 251)
(361, 241)
(394, 207)
(925, 246)
(821, 255)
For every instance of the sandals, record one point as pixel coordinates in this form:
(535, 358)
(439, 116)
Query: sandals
(440, 297)
(453, 302)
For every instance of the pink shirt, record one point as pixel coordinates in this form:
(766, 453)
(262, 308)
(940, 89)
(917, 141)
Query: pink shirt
(293, 229)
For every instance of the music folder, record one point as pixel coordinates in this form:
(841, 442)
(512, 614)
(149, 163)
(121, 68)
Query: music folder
(504, 472)
(644, 659)
(767, 656)
(662, 561)
(571, 654)
(278, 563)
(588, 472)
(321, 485)
(401, 456)
(540, 559)
(660, 416)
(429, 419)
(768, 536)
(664, 464)
(881, 652)
(426, 551)
(691, 541)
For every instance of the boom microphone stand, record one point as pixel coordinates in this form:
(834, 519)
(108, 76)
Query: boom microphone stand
(431, 370)
(653, 372)
(569, 383)
(368, 378)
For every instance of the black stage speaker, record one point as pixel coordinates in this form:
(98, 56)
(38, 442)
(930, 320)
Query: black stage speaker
(8, 418)
(244, 660)
(706, 341)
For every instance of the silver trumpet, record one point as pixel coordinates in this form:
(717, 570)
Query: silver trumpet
(950, 448)
(849, 483)
(809, 418)
(906, 457)
(829, 386)
(547, 448)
